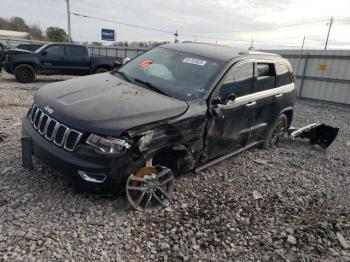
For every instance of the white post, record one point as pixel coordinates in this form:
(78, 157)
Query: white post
(68, 16)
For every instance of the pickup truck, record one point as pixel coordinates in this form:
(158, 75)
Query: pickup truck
(53, 59)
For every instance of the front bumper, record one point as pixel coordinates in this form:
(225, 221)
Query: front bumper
(7, 66)
(72, 163)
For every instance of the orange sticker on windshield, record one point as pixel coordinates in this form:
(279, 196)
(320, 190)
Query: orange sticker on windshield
(145, 63)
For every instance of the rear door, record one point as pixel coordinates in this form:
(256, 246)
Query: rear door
(284, 79)
(52, 58)
(77, 60)
(229, 127)
(265, 109)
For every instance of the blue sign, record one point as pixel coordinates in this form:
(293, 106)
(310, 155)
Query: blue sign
(107, 34)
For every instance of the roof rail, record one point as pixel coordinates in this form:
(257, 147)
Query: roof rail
(257, 53)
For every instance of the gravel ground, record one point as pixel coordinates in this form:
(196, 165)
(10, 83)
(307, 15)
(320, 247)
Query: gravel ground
(290, 203)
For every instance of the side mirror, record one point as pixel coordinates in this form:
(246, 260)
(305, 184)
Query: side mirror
(126, 60)
(117, 64)
(224, 100)
(230, 97)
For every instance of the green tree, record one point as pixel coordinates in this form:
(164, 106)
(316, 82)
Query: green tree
(56, 34)
(18, 24)
(4, 24)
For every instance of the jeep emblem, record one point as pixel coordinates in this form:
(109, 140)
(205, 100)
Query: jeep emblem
(48, 109)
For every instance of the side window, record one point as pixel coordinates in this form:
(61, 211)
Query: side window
(76, 51)
(55, 50)
(265, 77)
(239, 80)
(283, 76)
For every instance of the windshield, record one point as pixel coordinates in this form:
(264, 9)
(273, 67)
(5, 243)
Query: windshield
(41, 48)
(180, 75)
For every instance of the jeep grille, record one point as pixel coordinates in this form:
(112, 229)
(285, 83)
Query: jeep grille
(52, 130)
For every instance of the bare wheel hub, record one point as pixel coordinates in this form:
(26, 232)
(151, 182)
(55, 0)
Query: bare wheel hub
(150, 187)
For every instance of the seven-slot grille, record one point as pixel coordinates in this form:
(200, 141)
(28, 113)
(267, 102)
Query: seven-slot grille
(52, 130)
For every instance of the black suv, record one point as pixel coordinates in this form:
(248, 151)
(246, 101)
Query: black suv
(173, 109)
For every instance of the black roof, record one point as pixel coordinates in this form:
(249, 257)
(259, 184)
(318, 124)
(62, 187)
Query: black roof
(217, 52)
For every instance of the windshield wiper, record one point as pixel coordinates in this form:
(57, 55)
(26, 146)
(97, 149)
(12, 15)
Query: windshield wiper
(124, 76)
(151, 86)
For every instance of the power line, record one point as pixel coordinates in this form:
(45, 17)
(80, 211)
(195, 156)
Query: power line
(122, 23)
(195, 35)
(289, 24)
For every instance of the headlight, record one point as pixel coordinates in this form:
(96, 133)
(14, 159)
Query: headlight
(109, 145)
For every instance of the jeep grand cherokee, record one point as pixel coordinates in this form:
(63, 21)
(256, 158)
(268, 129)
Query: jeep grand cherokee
(173, 109)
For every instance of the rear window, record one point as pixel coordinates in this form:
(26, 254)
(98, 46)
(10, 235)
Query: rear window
(266, 77)
(76, 51)
(283, 76)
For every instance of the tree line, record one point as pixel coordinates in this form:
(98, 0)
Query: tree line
(53, 34)
(56, 34)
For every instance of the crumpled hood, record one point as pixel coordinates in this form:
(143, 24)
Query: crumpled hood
(105, 104)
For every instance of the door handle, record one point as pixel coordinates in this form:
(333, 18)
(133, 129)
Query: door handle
(279, 95)
(251, 104)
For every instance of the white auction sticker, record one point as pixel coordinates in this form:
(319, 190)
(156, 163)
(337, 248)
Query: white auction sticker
(194, 61)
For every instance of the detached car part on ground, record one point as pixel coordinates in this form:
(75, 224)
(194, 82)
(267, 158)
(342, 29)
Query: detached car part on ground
(174, 109)
(53, 59)
(319, 134)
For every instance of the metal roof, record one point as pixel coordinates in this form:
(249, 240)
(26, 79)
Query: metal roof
(14, 34)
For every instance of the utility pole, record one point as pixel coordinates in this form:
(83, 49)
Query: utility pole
(251, 45)
(302, 45)
(329, 31)
(176, 35)
(68, 16)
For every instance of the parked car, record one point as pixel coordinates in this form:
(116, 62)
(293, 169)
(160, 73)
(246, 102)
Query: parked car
(29, 47)
(174, 109)
(58, 58)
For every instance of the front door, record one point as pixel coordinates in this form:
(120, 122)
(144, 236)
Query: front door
(52, 58)
(229, 125)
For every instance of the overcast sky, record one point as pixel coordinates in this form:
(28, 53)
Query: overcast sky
(210, 20)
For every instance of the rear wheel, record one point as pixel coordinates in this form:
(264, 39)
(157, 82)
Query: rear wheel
(276, 132)
(101, 70)
(24, 73)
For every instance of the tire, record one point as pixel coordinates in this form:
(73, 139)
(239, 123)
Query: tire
(276, 132)
(24, 73)
(101, 70)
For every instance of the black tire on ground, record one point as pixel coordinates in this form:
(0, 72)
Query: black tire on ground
(24, 73)
(101, 70)
(276, 132)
